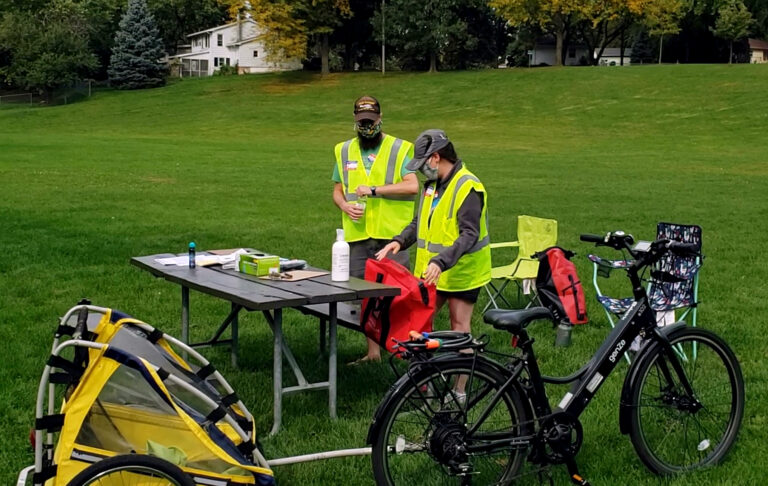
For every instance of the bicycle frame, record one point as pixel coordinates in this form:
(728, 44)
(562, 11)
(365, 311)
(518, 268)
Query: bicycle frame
(454, 429)
(639, 320)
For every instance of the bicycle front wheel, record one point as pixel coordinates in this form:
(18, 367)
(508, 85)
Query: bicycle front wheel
(673, 430)
(433, 433)
(132, 470)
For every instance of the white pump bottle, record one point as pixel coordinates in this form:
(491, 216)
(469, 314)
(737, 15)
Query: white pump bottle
(340, 258)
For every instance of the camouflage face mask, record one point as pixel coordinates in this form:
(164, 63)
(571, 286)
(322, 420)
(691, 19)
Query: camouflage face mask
(368, 129)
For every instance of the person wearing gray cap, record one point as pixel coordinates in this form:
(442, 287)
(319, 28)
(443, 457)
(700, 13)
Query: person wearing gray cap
(450, 228)
(374, 191)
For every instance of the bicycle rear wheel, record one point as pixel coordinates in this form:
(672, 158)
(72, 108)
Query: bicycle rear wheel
(674, 431)
(425, 434)
(132, 470)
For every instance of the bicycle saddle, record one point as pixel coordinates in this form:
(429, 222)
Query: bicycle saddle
(515, 321)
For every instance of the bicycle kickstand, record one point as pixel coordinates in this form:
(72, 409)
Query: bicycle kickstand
(573, 472)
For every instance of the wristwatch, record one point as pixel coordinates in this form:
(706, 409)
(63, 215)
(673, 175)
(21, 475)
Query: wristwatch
(373, 190)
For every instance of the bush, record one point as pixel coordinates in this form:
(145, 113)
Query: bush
(226, 71)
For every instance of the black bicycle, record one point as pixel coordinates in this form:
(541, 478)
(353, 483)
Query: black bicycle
(458, 416)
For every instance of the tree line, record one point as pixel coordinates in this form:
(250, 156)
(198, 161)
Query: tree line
(45, 44)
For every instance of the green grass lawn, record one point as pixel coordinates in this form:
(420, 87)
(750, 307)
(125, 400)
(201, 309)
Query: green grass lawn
(247, 161)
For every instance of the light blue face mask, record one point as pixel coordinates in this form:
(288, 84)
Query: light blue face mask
(429, 172)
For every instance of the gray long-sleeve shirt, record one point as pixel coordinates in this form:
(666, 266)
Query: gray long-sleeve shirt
(468, 218)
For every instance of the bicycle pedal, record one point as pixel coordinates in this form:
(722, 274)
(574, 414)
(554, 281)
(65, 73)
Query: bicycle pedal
(576, 479)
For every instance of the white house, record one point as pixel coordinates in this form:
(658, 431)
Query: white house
(612, 56)
(234, 44)
(758, 50)
(544, 54)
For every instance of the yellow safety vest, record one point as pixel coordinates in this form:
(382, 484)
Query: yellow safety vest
(385, 216)
(435, 234)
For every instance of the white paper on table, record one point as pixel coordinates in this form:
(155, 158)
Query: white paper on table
(227, 261)
(178, 261)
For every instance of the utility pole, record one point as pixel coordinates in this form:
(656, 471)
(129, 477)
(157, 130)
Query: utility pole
(383, 40)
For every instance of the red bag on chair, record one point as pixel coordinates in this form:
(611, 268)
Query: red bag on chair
(559, 286)
(384, 318)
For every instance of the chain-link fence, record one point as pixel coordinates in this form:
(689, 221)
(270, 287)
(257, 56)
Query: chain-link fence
(60, 96)
(16, 98)
(71, 94)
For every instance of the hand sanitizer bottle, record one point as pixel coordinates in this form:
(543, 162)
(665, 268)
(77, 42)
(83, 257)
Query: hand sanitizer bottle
(191, 254)
(340, 258)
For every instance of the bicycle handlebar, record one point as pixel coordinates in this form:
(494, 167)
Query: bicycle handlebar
(592, 238)
(622, 241)
(683, 249)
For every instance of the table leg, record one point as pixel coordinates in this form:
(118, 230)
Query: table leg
(185, 314)
(236, 311)
(322, 335)
(277, 370)
(332, 360)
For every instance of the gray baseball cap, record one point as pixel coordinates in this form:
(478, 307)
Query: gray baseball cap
(429, 142)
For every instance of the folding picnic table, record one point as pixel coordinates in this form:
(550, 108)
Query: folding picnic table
(270, 297)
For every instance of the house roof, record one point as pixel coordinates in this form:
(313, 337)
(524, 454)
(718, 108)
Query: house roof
(189, 54)
(758, 44)
(244, 41)
(214, 29)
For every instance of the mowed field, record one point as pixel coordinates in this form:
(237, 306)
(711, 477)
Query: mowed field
(246, 161)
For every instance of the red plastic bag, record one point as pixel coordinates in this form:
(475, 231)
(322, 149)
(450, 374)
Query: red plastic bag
(559, 286)
(384, 318)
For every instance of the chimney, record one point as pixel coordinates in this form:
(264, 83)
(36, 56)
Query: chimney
(239, 28)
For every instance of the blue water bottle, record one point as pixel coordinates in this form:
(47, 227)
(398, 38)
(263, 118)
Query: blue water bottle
(191, 254)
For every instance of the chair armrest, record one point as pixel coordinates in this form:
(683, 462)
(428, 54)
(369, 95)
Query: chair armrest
(505, 244)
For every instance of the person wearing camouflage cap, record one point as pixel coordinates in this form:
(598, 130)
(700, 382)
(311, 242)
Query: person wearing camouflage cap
(374, 191)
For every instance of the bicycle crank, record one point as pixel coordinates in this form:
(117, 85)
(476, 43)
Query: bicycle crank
(560, 438)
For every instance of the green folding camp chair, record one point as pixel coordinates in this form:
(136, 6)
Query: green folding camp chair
(533, 235)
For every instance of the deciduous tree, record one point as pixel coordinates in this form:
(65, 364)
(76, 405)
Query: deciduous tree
(602, 22)
(423, 33)
(175, 19)
(662, 17)
(288, 24)
(733, 22)
(48, 49)
(557, 17)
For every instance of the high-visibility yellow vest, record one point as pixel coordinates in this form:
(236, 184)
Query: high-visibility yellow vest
(385, 216)
(441, 230)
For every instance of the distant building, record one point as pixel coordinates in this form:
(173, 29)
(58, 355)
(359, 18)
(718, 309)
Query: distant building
(543, 54)
(612, 56)
(758, 51)
(576, 54)
(234, 44)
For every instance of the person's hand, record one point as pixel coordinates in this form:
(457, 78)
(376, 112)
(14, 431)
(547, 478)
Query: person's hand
(353, 210)
(392, 246)
(432, 273)
(363, 190)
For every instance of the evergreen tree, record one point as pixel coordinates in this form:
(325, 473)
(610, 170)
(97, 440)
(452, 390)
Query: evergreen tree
(642, 48)
(135, 57)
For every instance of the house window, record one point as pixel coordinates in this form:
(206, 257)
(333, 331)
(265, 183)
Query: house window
(219, 40)
(215, 62)
(220, 61)
(206, 41)
(255, 53)
(227, 61)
